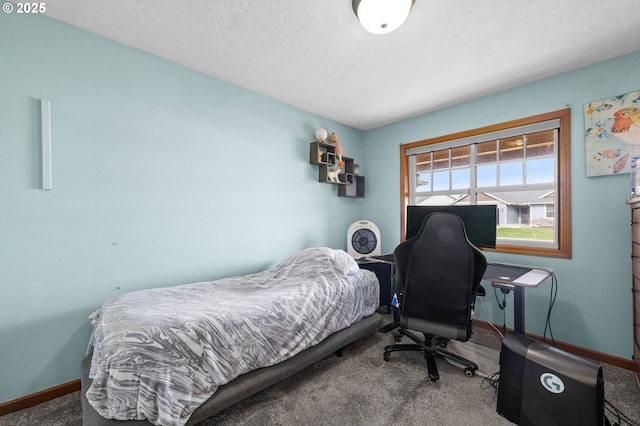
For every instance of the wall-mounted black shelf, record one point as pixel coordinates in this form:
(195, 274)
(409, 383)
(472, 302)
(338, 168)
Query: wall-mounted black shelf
(324, 156)
(355, 190)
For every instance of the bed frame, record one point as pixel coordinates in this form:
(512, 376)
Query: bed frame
(246, 384)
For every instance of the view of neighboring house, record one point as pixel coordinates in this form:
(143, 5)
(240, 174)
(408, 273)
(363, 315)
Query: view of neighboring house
(534, 208)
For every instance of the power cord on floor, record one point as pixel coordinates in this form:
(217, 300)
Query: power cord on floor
(621, 418)
(491, 382)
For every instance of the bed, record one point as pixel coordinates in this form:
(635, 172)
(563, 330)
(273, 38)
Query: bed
(178, 355)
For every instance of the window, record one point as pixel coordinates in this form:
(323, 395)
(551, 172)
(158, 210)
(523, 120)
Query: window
(522, 166)
(550, 212)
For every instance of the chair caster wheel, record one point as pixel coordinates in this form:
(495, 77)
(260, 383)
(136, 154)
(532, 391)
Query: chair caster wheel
(386, 356)
(397, 338)
(469, 372)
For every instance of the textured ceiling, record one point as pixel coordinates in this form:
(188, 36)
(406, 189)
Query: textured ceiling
(316, 56)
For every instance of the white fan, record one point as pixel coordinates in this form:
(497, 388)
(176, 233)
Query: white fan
(363, 239)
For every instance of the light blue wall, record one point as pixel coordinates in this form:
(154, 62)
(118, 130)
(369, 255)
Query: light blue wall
(164, 176)
(161, 176)
(593, 307)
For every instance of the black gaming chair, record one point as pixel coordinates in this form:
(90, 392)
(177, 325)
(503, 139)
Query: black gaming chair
(438, 274)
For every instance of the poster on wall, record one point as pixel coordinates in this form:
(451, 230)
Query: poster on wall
(612, 134)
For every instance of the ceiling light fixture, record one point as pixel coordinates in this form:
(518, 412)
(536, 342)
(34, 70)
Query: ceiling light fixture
(382, 16)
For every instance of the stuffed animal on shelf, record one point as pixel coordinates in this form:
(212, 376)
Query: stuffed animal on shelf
(332, 173)
(334, 140)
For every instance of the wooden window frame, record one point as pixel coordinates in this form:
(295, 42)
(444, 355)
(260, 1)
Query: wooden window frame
(563, 210)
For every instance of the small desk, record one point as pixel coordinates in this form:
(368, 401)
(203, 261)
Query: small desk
(505, 276)
(516, 277)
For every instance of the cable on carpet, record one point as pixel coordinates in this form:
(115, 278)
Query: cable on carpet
(619, 416)
(490, 382)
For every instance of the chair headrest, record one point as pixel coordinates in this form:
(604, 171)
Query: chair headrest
(442, 228)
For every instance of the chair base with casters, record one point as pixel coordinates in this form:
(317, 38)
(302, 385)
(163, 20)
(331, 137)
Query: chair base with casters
(430, 346)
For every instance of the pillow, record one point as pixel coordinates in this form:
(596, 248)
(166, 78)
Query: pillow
(320, 258)
(345, 262)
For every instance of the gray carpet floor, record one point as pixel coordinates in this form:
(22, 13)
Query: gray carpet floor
(360, 388)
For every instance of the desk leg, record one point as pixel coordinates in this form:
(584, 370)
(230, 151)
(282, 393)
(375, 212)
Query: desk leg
(518, 309)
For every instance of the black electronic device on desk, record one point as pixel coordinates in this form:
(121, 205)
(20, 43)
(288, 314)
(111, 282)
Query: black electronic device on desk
(479, 221)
